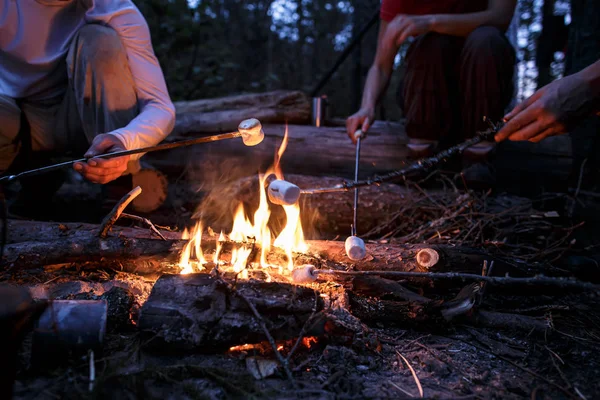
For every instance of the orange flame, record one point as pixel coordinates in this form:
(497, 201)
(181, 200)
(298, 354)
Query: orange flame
(192, 246)
(291, 238)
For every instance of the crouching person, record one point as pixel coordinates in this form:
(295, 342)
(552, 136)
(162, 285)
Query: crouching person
(77, 77)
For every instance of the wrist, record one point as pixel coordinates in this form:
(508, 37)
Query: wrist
(433, 21)
(368, 108)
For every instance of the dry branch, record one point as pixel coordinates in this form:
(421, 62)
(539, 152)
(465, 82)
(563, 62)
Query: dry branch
(114, 215)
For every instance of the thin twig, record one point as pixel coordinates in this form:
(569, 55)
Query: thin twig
(304, 328)
(414, 374)
(115, 213)
(146, 222)
(400, 389)
(495, 280)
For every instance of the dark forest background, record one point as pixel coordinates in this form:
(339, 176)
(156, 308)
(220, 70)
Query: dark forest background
(212, 48)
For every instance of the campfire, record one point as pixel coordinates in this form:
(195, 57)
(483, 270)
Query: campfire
(246, 233)
(299, 309)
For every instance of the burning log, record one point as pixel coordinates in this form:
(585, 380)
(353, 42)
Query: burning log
(223, 114)
(36, 244)
(198, 312)
(329, 214)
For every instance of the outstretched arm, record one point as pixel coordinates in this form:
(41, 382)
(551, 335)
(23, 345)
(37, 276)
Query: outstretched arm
(377, 82)
(555, 108)
(157, 113)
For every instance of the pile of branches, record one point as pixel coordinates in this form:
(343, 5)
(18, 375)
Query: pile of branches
(503, 224)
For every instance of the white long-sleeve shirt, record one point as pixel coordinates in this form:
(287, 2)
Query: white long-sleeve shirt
(34, 40)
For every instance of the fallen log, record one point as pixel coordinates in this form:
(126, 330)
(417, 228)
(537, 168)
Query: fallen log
(197, 312)
(324, 151)
(323, 214)
(225, 113)
(37, 244)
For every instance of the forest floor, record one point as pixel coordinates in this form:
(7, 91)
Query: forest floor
(460, 361)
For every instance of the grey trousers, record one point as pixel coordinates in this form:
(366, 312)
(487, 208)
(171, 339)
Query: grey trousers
(97, 97)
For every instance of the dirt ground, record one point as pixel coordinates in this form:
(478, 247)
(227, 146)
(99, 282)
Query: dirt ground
(458, 361)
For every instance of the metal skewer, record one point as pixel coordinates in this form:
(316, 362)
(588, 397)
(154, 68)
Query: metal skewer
(355, 246)
(249, 130)
(358, 136)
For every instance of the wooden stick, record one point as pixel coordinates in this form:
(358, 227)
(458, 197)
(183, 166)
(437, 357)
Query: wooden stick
(146, 222)
(115, 213)
(496, 280)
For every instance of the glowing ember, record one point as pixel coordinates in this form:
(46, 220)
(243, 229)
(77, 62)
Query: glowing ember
(243, 347)
(245, 232)
(308, 342)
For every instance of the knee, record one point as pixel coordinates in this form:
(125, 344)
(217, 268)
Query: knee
(430, 52)
(488, 40)
(433, 45)
(99, 45)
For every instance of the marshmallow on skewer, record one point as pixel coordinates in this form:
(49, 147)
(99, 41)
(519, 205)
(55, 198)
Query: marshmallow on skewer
(355, 248)
(251, 131)
(305, 274)
(283, 192)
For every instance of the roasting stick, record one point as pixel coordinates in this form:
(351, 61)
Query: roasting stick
(286, 193)
(355, 246)
(424, 164)
(309, 274)
(250, 130)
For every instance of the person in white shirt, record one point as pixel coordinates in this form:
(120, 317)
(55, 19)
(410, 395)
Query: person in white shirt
(81, 78)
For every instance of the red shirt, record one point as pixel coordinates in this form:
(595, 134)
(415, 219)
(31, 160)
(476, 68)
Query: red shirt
(391, 8)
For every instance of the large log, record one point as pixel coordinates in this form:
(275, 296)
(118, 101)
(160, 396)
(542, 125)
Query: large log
(324, 151)
(36, 244)
(225, 113)
(199, 312)
(323, 215)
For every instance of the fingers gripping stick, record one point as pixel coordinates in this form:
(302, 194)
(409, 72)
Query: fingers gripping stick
(250, 130)
(283, 192)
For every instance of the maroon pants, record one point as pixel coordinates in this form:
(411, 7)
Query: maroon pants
(451, 83)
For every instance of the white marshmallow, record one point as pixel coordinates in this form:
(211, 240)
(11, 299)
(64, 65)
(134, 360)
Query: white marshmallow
(283, 193)
(305, 274)
(251, 130)
(355, 248)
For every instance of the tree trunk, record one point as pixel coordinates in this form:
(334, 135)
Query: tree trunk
(224, 114)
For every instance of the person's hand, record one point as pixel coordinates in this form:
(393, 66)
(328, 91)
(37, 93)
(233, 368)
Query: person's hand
(362, 120)
(98, 170)
(551, 111)
(404, 26)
